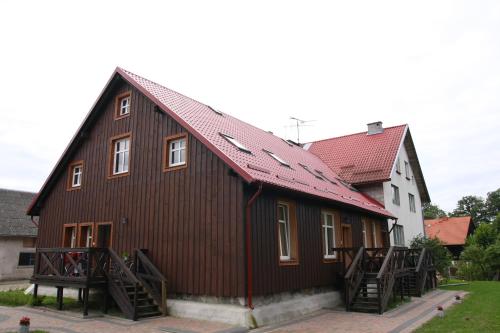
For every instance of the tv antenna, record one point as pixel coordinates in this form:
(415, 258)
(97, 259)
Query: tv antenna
(298, 124)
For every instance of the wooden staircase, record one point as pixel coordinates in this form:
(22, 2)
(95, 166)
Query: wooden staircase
(377, 274)
(138, 288)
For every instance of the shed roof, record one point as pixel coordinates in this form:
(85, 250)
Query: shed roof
(450, 230)
(306, 173)
(13, 219)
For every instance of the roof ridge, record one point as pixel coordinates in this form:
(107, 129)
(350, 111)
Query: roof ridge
(352, 134)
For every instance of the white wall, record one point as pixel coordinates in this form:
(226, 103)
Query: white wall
(412, 222)
(9, 259)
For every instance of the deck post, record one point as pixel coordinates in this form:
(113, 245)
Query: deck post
(86, 301)
(60, 291)
(106, 300)
(35, 293)
(80, 299)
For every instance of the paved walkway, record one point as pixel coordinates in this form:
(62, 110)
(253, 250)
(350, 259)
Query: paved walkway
(403, 319)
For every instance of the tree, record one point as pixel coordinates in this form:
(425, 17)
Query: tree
(473, 206)
(432, 211)
(493, 259)
(442, 257)
(484, 236)
(492, 204)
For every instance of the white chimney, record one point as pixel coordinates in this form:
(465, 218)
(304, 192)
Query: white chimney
(375, 128)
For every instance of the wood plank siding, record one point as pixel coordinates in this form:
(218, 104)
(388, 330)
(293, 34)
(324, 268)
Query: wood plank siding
(311, 270)
(190, 220)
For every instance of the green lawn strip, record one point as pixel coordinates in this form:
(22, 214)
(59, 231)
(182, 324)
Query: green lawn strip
(479, 312)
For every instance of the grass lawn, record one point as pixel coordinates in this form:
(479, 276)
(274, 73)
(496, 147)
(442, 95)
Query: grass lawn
(18, 298)
(479, 312)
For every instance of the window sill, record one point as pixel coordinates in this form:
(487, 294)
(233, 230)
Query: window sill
(69, 189)
(408, 178)
(119, 175)
(291, 262)
(329, 260)
(398, 172)
(122, 116)
(175, 167)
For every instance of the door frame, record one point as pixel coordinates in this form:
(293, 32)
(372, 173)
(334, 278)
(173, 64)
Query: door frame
(348, 226)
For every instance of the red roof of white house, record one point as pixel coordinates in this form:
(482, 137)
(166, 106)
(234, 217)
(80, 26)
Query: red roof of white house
(450, 230)
(361, 158)
(257, 166)
(306, 172)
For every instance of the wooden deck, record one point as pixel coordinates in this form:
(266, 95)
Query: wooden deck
(137, 286)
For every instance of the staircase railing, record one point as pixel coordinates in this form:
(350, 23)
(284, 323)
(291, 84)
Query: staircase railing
(424, 266)
(353, 277)
(152, 280)
(394, 264)
(119, 278)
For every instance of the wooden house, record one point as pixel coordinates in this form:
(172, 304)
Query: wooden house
(212, 209)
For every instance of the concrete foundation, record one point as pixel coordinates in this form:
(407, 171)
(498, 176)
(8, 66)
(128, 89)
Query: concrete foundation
(268, 310)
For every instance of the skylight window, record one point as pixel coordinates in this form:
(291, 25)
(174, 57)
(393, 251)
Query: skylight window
(215, 111)
(309, 170)
(277, 158)
(235, 143)
(320, 173)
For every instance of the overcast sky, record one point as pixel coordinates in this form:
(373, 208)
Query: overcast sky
(434, 65)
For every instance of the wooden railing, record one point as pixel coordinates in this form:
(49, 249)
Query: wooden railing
(354, 276)
(152, 280)
(122, 282)
(392, 266)
(71, 265)
(424, 266)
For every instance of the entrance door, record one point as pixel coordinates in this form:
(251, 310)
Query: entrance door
(347, 241)
(104, 234)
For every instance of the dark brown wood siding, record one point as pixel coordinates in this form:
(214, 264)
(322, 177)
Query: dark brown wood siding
(312, 271)
(190, 220)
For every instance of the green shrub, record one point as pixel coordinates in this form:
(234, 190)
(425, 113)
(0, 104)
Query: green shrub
(442, 257)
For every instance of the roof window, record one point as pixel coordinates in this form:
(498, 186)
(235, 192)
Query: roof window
(235, 143)
(309, 170)
(215, 111)
(277, 158)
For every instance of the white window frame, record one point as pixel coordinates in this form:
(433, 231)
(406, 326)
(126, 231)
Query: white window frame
(180, 148)
(365, 240)
(286, 223)
(90, 230)
(76, 175)
(124, 108)
(411, 201)
(407, 170)
(398, 165)
(73, 237)
(328, 228)
(399, 236)
(121, 156)
(395, 195)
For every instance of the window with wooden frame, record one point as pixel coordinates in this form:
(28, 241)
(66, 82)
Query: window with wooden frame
(122, 105)
(119, 159)
(287, 233)
(69, 235)
(375, 241)
(411, 201)
(398, 165)
(407, 170)
(175, 152)
(329, 226)
(395, 195)
(75, 174)
(86, 234)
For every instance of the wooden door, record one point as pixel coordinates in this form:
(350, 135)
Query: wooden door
(104, 234)
(347, 241)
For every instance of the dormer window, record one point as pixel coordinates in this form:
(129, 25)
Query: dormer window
(235, 143)
(175, 152)
(277, 158)
(75, 173)
(122, 105)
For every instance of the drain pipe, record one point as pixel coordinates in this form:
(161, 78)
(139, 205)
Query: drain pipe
(249, 246)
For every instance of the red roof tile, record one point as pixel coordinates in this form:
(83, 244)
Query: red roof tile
(361, 158)
(207, 125)
(450, 230)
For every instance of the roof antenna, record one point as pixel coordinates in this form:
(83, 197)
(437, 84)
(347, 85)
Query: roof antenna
(298, 124)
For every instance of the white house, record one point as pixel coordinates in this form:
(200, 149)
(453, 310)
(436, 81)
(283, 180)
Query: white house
(383, 163)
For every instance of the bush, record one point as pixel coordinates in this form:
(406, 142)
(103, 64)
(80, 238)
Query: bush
(442, 257)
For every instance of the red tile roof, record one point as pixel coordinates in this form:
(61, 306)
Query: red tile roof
(258, 166)
(361, 158)
(207, 125)
(450, 230)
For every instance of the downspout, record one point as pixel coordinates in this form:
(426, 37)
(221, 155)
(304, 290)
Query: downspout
(248, 217)
(34, 222)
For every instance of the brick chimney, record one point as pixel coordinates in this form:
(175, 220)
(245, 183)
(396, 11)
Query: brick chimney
(375, 128)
